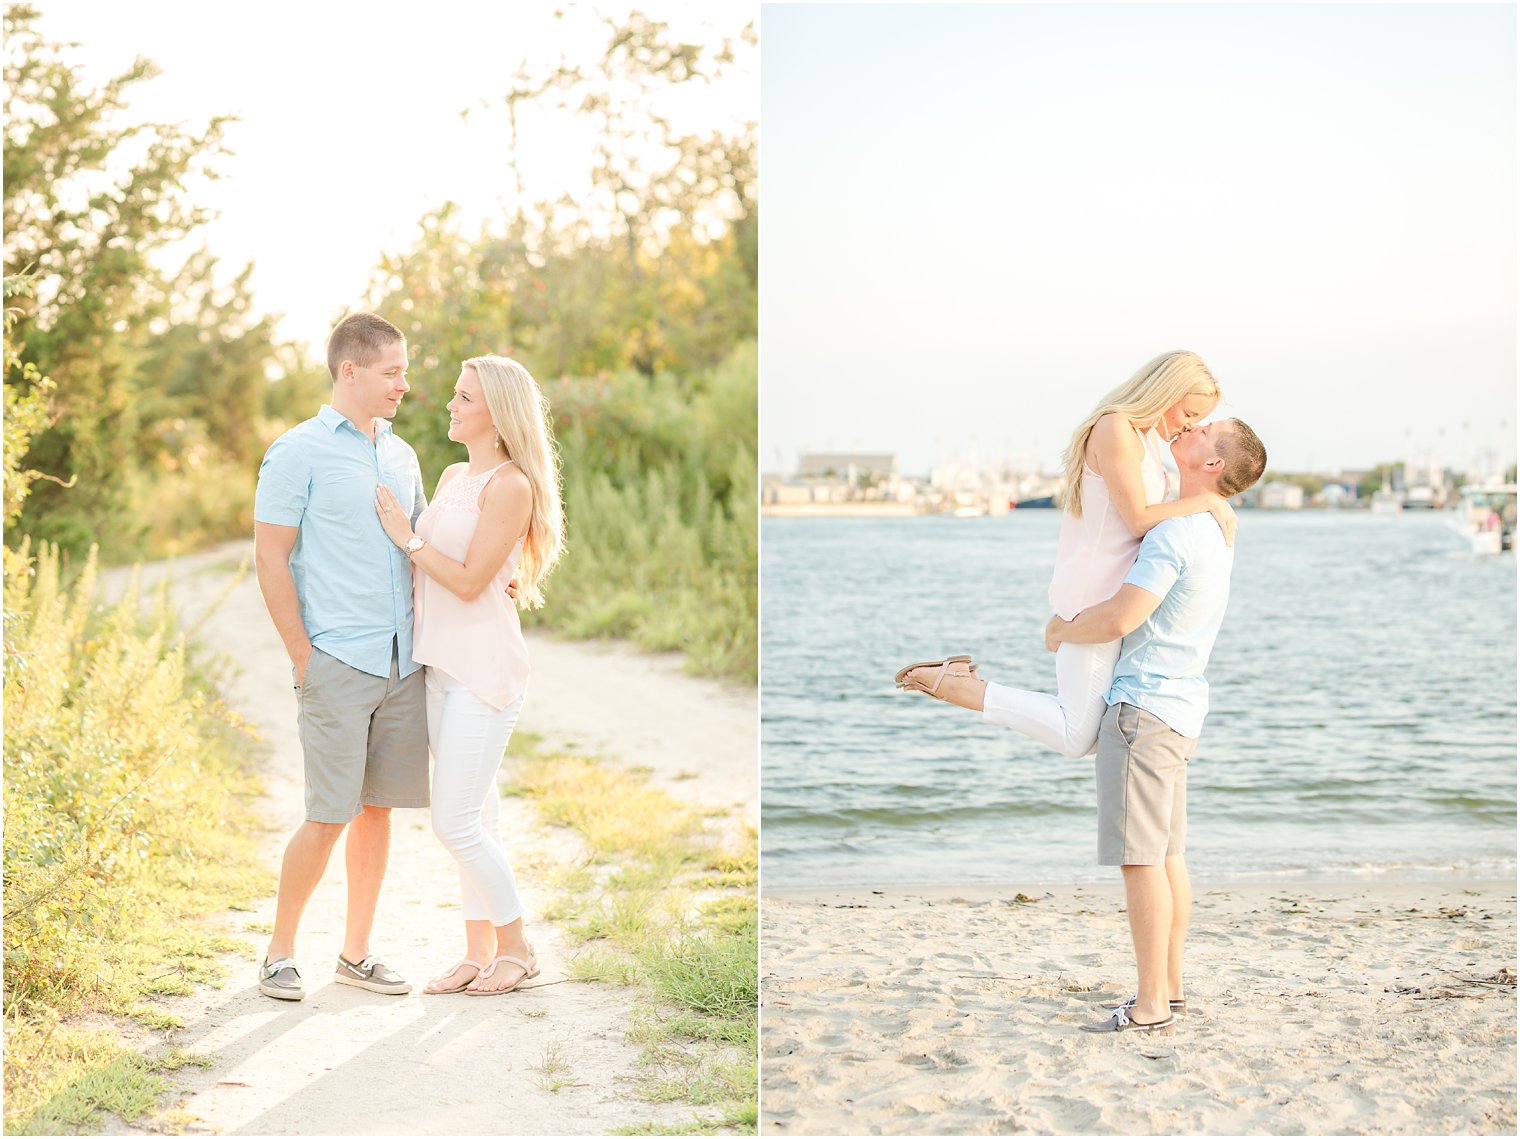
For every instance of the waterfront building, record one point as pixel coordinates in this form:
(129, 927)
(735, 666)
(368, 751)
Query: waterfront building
(1281, 496)
(854, 468)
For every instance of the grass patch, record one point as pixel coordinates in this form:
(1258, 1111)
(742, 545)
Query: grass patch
(128, 818)
(177, 1058)
(553, 1069)
(77, 1076)
(741, 1119)
(603, 965)
(664, 902)
(711, 973)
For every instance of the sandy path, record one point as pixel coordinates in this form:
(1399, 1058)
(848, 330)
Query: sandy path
(347, 1062)
(1313, 1008)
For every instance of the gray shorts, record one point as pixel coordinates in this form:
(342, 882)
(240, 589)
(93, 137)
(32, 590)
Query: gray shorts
(1142, 788)
(365, 739)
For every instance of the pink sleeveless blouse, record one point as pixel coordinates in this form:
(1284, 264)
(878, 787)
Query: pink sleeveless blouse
(479, 643)
(1097, 550)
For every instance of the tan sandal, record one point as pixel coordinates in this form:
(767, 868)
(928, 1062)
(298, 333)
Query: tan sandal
(945, 669)
(529, 968)
(478, 967)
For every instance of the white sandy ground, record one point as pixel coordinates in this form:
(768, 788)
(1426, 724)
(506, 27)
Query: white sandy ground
(1313, 1009)
(349, 1062)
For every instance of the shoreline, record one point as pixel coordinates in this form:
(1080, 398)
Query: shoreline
(986, 891)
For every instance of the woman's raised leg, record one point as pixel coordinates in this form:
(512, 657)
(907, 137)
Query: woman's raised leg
(1068, 721)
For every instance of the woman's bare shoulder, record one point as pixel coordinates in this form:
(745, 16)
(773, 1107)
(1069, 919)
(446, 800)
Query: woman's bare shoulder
(1112, 445)
(507, 485)
(448, 475)
(1114, 431)
(510, 475)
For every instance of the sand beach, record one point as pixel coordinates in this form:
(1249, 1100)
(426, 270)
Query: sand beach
(1313, 1008)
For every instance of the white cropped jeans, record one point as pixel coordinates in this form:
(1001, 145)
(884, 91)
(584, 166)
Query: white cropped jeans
(467, 738)
(1067, 722)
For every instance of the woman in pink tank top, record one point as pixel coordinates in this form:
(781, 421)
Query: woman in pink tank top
(1116, 488)
(493, 517)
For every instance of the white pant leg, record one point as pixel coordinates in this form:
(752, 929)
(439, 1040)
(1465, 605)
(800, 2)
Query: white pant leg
(468, 738)
(490, 818)
(439, 684)
(1068, 721)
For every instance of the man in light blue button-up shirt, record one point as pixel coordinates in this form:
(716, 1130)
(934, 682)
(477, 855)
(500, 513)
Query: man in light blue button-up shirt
(1168, 611)
(354, 583)
(340, 595)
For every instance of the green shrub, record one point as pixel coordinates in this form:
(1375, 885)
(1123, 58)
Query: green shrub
(660, 501)
(128, 792)
(185, 507)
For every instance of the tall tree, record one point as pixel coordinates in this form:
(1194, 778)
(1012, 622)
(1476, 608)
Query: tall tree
(653, 270)
(26, 408)
(162, 378)
(88, 203)
(208, 360)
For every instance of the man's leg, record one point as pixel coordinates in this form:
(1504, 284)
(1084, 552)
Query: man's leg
(365, 855)
(1141, 770)
(1182, 907)
(1148, 897)
(336, 704)
(300, 870)
(395, 775)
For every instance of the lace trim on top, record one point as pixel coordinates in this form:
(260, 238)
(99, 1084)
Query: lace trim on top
(463, 491)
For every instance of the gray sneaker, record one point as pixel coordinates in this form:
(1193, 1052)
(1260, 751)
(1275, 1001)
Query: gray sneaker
(372, 974)
(1178, 1007)
(281, 980)
(1120, 1022)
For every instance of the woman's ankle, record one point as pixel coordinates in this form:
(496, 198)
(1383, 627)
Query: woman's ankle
(513, 944)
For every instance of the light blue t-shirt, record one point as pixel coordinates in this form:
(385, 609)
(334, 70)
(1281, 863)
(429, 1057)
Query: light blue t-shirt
(353, 582)
(1186, 563)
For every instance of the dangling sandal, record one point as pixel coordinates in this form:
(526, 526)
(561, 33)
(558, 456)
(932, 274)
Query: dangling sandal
(945, 669)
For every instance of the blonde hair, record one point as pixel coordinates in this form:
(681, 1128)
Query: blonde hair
(520, 414)
(1143, 399)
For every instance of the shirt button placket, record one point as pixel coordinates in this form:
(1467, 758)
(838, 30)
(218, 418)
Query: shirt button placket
(394, 552)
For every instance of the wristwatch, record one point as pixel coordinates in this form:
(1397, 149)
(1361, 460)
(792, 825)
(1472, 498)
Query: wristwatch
(413, 545)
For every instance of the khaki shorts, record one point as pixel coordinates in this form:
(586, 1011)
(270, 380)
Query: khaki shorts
(365, 739)
(1142, 788)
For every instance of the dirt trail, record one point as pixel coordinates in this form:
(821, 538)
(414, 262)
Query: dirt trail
(346, 1062)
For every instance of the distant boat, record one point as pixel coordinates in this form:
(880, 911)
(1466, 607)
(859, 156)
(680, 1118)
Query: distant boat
(1386, 500)
(1046, 503)
(1486, 517)
(1420, 498)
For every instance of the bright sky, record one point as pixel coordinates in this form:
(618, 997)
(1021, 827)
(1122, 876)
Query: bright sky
(351, 128)
(979, 219)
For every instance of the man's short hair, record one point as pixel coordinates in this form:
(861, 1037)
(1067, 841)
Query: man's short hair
(360, 338)
(1245, 458)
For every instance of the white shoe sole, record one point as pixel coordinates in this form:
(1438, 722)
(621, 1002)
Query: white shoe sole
(375, 986)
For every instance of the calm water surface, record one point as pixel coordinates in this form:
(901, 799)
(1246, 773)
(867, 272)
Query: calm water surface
(1362, 714)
